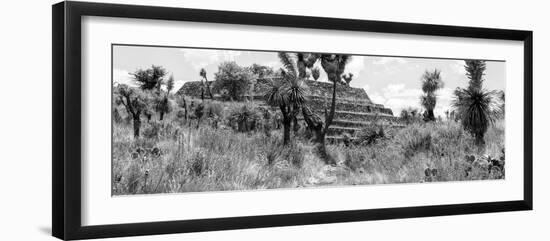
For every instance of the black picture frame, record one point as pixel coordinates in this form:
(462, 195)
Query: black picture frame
(66, 127)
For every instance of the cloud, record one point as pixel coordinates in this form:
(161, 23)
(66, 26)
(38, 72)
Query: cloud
(389, 60)
(444, 99)
(458, 67)
(366, 88)
(199, 58)
(122, 77)
(355, 66)
(275, 64)
(398, 97)
(178, 84)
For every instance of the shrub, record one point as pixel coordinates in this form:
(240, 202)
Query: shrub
(296, 155)
(198, 164)
(370, 134)
(116, 116)
(214, 109)
(415, 141)
(244, 119)
(152, 130)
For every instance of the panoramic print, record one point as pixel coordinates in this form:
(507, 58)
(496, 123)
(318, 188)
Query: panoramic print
(198, 120)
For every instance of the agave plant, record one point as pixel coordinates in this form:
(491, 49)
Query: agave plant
(477, 110)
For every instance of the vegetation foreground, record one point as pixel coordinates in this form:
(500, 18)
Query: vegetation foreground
(185, 155)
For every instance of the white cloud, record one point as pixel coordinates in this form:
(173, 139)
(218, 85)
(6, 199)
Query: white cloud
(199, 58)
(122, 77)
(355, 66)
(397, 97)
(444, 99)
(366, 88)
(377, 98)
(389, 60)
(458, 67)
(178, 84)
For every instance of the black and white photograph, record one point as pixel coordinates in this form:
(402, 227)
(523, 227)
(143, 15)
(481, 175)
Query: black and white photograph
(191, 119)
(213, 120)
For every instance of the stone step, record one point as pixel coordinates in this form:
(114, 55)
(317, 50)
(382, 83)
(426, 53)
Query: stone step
(337, 139)
(334, 130)
(358, 116)
(348, 123)
(321, 104)
(343, 100)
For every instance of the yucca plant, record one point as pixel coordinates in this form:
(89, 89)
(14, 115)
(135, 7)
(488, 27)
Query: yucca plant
(202, 74)
(474, 72)
(476, 110)
(431, 83)
(288, 93)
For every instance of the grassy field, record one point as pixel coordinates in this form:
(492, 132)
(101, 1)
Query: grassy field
(177, 156)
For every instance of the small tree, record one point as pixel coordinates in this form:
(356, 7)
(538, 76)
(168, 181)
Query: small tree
(287, 93)
(232, 79)
(476, 108)
(199, 112)
(431, 83)
(334, 66)
(408, 115)
(261, 71)
(202, 73)
(182, 103)
(170, 84)
(149, 79)
(134, 101)
(347, 78)
(162, 105)
(162, 101)
(475, 111)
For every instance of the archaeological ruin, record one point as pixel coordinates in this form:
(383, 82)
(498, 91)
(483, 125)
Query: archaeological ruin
(354, 108)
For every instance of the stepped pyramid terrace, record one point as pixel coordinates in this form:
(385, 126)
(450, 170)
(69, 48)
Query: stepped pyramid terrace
(354, 108)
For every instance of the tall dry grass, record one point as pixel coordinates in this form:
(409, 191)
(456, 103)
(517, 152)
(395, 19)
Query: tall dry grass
(173, 156)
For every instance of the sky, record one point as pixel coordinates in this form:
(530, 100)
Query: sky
(394, 82)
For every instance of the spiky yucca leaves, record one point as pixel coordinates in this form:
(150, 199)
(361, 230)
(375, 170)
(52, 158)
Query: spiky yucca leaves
(474, 72)
(287, 93)
(305, 61)
(477, 110)
(275, 94)
(170, 84)
(431, 82)
(334, 65)
(290, 70)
